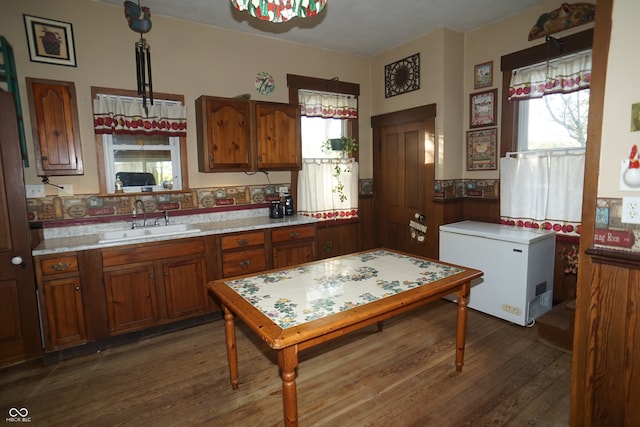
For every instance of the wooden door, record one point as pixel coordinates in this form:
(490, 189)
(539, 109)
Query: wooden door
(404, 177)
(185, 287)
(19, 332)
(131, 298)
(65, 325)
(54, 122)
(278, 136)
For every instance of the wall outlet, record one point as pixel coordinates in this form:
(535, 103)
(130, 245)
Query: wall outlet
(34, 191)
(630, 210)
(66, 190)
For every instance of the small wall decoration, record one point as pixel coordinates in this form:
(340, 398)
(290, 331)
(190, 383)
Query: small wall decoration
(50, 41)
(402, 76)
(265, 83)
(482, 149)
(483, 107)
(483, 75)
(635, 117)
(568, 15)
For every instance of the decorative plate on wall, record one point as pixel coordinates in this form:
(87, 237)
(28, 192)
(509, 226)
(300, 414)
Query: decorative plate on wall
(402, 76)
(265, 84)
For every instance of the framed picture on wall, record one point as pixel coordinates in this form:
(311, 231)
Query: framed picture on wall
(483, 108)
(483, 75)
(482, 151)
(50, 41)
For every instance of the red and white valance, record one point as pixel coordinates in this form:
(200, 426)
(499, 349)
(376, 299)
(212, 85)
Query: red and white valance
(126, 115)
(327, 104)
(561, 75)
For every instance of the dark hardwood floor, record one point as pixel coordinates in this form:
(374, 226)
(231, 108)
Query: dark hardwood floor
(404, 376)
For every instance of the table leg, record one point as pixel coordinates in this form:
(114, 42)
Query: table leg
(461, 330)
(288, 361)
(232, 351)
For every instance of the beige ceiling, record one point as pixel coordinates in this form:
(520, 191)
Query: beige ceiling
(363, 27)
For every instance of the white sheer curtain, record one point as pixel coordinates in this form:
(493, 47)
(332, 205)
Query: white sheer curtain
(328, 188)
(542, 190)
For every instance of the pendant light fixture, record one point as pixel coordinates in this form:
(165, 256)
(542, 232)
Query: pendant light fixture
(139, 19)
(280, 10)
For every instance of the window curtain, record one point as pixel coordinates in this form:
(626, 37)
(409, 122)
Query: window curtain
(315, 180)
(327, 104)
(124, 115)
(542, 190)
(562, 75)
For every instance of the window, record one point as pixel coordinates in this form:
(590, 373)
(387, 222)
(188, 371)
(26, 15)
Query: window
(554, 121)
(142, 148)
(142, 162)
(544, 127)
(328, 185)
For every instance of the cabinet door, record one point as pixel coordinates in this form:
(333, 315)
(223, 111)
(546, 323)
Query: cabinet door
(278, 136)
(224, 134)
(62, 301)
(131, 298)
(54, 122)
(293, 254)
(185, 287)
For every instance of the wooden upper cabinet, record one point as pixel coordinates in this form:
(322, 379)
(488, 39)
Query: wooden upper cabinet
(278, 136)
(224, 134)
(54, 123)
(238, 135)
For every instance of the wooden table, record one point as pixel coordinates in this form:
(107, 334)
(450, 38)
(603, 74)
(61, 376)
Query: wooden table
(296, 308)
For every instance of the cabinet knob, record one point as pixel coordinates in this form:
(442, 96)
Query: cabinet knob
(77, 288)
(243, 242)
(294, 234)
(245, 264)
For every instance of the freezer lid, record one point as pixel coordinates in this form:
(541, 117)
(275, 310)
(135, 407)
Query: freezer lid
(506, 233)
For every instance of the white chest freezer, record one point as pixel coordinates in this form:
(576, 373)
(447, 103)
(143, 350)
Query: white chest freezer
(518, 266)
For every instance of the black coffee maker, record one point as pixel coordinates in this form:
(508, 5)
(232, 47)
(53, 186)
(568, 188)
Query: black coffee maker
(276, 210)
(288, 205)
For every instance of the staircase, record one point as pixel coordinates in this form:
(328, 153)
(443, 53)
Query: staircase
(555, 327)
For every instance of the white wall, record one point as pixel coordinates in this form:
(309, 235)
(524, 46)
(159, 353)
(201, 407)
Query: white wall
(621, 91)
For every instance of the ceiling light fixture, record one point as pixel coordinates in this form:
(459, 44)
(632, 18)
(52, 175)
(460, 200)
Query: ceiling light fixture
(280, 10)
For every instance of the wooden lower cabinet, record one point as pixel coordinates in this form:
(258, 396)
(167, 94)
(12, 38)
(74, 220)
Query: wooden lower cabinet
(243, 253)
(131, 298)
(293, 245)
(61, 306)
(144, 287)
(91, 295)
(183, 287)
(336, 240)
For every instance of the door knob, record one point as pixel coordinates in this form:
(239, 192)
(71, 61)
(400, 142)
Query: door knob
(17, 260)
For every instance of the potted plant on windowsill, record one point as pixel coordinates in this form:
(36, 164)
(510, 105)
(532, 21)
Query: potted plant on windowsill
(346, 145)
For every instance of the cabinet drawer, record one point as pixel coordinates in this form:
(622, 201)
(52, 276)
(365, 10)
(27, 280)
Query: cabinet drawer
(242, 240)
(244, 262)
(59, 265)
(288, 234)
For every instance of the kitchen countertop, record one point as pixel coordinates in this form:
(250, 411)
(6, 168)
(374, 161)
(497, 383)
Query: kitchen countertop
(76, 241)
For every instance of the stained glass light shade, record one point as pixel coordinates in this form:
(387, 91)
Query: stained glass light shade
(280, 10)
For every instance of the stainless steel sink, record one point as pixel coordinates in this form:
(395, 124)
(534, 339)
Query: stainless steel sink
(146, 232)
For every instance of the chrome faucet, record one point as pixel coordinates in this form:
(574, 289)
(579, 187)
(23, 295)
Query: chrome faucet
(134, 212)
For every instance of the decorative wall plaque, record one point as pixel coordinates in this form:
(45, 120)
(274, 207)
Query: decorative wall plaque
(402, 76)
